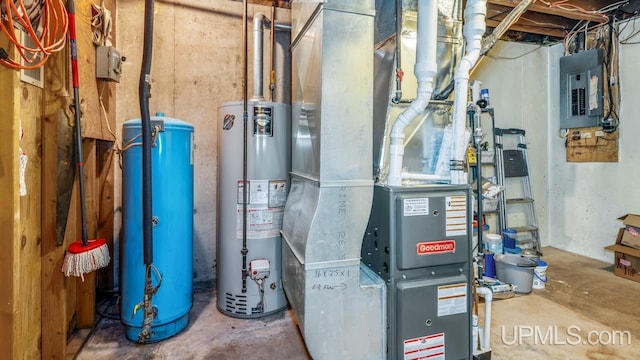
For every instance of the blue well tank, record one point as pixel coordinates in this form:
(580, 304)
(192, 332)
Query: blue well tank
(172, 186)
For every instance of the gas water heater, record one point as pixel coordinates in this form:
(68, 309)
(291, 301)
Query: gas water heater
(256, 291)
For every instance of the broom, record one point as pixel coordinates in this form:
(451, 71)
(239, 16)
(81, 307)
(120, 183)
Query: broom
(83, 256)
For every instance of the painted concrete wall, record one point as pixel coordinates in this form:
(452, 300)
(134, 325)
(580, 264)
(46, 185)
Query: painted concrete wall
(587, 198)
(196, 66)
(517, 78)
(577, 203)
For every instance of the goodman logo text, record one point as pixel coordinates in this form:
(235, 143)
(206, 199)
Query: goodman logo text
(436, 247)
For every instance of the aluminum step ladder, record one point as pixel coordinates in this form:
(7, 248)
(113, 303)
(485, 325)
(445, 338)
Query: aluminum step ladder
(516, 204)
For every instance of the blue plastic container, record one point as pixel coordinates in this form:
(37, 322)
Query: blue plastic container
(172, 186)
(509, 241)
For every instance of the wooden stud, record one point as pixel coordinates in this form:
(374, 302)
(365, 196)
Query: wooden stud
(54, 299)
(9, 211)
(86, 296)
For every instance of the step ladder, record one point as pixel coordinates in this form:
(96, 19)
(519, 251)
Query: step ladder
(516, 204)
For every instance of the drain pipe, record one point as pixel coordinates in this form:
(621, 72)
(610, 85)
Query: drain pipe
(474, 28)
(259, 22)
(485, 341)
(425, 70)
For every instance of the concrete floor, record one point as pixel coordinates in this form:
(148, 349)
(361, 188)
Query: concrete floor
(572, 318)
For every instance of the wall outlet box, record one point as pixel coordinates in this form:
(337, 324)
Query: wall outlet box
(108, 63)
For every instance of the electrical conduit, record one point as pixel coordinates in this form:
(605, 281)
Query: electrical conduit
(425, 70)
(474, 28)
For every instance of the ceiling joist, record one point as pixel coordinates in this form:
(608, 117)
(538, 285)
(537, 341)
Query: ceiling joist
(278, 3)
(554, 10)
(531, 29)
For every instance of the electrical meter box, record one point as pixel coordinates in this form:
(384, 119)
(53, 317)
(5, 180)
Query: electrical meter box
(581, 89)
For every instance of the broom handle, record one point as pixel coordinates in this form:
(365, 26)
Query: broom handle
(76, 104)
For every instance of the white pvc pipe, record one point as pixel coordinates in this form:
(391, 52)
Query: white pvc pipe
(474, 28)
(425, 70)
(259, 21)
(486, 333)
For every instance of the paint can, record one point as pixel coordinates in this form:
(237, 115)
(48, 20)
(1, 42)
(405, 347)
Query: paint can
(540, 275)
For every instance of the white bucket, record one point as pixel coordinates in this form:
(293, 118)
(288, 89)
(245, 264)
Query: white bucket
(540, 275)
(493, 243)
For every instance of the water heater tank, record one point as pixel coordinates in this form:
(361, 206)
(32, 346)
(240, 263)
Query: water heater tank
(268, 166)
(172, 186)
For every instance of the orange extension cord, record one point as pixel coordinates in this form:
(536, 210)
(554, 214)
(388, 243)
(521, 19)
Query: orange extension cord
(52, 38)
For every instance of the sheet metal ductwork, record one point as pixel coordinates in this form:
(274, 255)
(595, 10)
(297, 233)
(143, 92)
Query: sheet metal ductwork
(340, 304)
(419, 152)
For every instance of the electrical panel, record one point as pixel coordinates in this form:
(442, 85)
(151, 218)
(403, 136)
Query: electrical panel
(581, 89)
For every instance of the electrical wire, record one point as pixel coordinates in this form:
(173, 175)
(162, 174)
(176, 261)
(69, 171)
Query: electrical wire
(515, 57)
(632, 34)
(46, 23)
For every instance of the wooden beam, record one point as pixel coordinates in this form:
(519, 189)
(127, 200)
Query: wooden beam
(94, 124)
(541, 8)
(530, 29)
(279, 3)
(10, 209)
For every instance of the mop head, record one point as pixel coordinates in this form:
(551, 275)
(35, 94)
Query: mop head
(80, 260)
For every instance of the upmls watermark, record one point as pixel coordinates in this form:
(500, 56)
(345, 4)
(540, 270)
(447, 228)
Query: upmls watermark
(554, 335)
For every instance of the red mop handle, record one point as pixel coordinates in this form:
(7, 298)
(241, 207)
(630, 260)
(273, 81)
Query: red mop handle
(74, 47)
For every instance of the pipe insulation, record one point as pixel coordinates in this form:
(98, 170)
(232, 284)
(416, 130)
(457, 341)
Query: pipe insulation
(144, 87)
(474, 27)
(425, 71)
(259, 22)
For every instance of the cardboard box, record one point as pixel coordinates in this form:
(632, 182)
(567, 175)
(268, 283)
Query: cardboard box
(627, 259)
(631, 236)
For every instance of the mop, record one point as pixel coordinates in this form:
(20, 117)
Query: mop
(83, 256)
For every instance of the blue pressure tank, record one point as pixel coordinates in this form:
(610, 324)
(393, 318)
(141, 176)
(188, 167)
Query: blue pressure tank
(172, 186)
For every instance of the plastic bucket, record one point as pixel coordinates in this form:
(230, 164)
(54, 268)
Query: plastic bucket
(540, 275)
(493, 243)
(516, 270)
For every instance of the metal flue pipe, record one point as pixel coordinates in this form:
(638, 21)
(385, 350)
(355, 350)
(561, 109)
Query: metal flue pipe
(259, 22)
(425, 70)
(474, 28)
